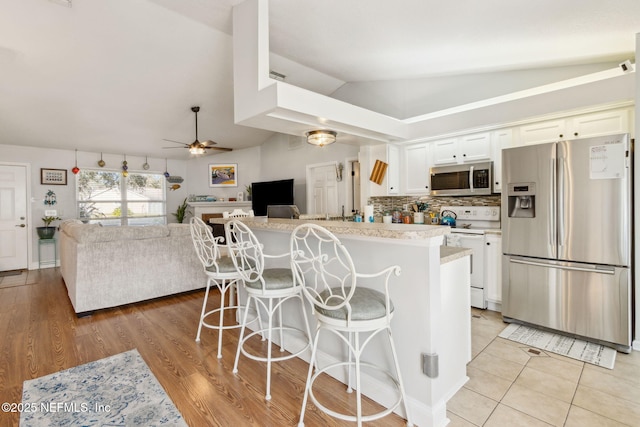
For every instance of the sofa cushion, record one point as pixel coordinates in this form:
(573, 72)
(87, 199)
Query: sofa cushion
(92, 233)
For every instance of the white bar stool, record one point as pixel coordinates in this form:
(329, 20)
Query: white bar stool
(325, 270)
(268, 289)
(220, 271)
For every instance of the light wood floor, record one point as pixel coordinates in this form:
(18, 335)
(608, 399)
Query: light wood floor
(40, 334)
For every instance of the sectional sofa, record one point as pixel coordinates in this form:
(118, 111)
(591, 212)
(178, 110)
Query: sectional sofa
(106, 267)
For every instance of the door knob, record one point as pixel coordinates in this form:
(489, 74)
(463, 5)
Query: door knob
(21, 225)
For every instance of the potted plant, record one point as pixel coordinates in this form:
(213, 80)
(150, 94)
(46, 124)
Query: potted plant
(182, 210)
(248, 190)
(47, 232)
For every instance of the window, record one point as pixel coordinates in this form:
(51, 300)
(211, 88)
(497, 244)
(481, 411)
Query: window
(109, 198)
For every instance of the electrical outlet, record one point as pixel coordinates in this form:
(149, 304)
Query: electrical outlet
(430, 365)
(51, 212)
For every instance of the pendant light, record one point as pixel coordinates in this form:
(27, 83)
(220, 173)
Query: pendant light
(76, 169)
(166, 172)
(125, 168)
(145, 165)
(101, 162)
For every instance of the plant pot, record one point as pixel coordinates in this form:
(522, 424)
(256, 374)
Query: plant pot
(46, 232)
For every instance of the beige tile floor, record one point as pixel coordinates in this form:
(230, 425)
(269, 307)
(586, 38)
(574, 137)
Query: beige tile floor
(511, 384)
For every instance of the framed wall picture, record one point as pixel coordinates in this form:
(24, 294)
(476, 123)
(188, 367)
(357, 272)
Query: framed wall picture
(53, 176)
(223, 175)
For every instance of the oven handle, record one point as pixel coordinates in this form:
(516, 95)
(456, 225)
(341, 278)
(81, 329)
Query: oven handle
(471, 178)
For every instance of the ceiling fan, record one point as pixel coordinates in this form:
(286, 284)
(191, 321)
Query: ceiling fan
(197, 147)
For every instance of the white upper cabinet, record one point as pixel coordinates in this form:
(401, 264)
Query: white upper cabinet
(445, 151)
(416, 168)
(573, 127)
(393, 171)
(541, 132)
(499, 139)
(598, 124)
(389, 154)
(462, 149)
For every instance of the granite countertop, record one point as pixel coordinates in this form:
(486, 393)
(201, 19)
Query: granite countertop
(452, 253)
(366, 229)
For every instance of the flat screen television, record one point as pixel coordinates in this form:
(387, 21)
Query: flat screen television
(268, 193)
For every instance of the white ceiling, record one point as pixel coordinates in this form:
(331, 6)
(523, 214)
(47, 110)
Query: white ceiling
(119, 76)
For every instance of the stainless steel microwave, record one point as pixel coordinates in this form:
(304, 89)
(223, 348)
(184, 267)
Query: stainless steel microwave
(471, 179)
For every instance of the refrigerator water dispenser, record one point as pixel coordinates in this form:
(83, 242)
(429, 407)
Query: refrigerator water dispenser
(521, 200)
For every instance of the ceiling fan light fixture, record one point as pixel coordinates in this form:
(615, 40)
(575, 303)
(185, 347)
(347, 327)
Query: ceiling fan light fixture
(196, 149)
(321, 137)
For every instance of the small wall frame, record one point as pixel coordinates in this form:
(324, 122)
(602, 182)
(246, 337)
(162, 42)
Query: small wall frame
(53, 176)
(223, 175)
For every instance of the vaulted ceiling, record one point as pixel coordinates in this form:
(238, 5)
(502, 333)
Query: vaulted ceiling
(121, 76)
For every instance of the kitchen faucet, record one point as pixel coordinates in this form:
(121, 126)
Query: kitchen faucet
(343, 217)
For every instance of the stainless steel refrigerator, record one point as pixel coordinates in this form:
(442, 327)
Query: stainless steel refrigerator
(567, 237)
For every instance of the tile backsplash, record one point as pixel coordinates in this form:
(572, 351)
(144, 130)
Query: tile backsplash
(391, 203)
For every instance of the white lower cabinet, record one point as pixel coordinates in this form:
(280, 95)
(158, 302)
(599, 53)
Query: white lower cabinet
(493, 270)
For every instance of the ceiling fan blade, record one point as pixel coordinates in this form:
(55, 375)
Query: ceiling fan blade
(177, 142)
(219, 148)
(208, 142)
(175, 147)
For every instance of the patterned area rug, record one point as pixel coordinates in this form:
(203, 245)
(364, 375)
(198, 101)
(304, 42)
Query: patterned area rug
(116, 391)
(574, 348)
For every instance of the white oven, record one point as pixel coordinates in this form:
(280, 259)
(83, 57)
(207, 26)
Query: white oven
(471, 223)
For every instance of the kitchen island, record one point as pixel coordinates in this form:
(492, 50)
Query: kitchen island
(432, 306)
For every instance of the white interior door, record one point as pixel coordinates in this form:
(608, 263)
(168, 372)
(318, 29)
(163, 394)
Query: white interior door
(324, 189)
(13, 217)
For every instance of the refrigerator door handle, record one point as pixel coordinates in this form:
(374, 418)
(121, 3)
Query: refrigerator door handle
(561, 201)
(471, 178)
(552, 209)
(603, 270)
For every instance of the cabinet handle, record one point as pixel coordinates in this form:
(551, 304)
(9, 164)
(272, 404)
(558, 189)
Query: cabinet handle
(575, 134)
(497, 183)
(454, 156)
(426, 186)
(561, 135)
(488, 244)
(464, 155)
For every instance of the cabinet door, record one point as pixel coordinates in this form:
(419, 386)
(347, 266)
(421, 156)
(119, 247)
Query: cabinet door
(445, 152)
(598, 124)
(493, 261)
(474, 147)
(499, 139)
(393, 171)
(416, 171)
(541, 132)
